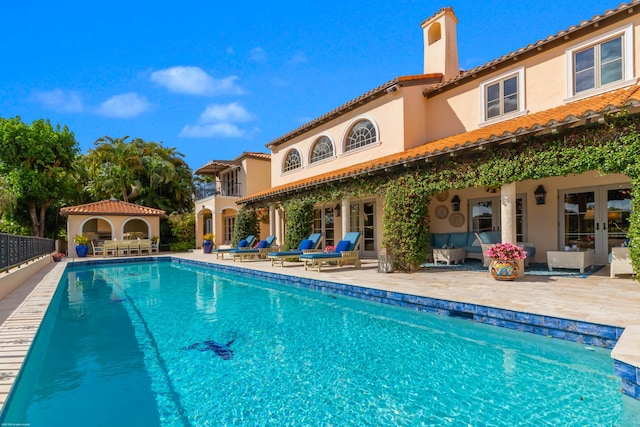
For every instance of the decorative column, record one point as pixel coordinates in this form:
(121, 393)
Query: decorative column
(508, 212)
(272, 222)
(346, 218)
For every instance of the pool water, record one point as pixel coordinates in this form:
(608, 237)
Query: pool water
(145, 344)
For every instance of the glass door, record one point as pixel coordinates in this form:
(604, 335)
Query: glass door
(596, 219)
(324, 223)
(362, 218)
(485, 214)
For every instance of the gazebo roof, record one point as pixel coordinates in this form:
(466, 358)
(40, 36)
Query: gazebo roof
(111, 207)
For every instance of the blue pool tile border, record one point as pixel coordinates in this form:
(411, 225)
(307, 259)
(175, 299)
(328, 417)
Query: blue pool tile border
(592, 334)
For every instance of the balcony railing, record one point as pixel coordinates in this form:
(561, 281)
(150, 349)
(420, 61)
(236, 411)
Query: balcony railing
(15, 250)
(218, 189)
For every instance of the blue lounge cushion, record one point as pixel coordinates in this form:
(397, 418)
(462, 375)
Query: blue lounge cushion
(490, 237)
(305, 244)
(243, 243)
(263, 244)
(343, 245)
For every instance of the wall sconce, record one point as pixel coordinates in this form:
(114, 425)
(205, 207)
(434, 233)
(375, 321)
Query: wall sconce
(336, 210)
(455, 203)
(540, 195)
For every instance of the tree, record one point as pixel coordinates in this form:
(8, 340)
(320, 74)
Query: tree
(140, 172)
(35, 160)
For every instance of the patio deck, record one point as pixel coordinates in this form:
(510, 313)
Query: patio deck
(596, 299)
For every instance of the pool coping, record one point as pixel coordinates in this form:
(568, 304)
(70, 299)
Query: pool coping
(18, 331)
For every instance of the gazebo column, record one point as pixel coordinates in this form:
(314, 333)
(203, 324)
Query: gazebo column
(508, 213)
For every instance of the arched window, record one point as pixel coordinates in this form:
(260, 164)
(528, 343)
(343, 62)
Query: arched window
(322, 149)
(292, 161)
(363, 133)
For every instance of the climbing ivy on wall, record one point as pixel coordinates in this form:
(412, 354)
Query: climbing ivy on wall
(246, 225)
(298, 221)
(612, 148)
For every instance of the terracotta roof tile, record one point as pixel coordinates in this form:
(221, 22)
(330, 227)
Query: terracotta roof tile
(566, 114)
(111, 207)
(361, 100)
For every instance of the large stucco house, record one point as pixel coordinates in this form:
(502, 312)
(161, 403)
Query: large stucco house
(539, 101)
(216, 207)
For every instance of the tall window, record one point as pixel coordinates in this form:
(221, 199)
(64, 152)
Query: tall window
(230, 183)
(598, 65)
(322, 149)
(501, 97)
(292, 161)
(363, 133)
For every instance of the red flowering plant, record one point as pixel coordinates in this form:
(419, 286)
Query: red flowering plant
(57, 256)
(506, 251)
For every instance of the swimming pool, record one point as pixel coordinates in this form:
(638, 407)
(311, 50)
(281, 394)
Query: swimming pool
(121, 345)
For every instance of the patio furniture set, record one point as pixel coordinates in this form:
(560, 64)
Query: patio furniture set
(125, 247)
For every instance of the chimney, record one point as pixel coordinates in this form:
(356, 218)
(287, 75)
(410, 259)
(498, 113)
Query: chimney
(440, 44)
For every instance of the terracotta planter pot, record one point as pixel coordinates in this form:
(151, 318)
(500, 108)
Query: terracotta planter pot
(506, 269)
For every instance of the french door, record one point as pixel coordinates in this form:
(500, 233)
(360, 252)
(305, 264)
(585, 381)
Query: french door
(595, 218)
(484, 215)
(324, 223)
(362, 218)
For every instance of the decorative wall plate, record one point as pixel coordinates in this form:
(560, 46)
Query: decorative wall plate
(456, 219)
(442, 212)
(442, 196)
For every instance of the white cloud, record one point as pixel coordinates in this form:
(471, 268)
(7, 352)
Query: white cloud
(258, 54)
(218, 120)
(126, 105)
(59, 100)
(194, 81)
(233, 112)
(221, 130)
(298, 58)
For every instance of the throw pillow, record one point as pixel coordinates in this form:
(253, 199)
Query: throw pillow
(343, 245)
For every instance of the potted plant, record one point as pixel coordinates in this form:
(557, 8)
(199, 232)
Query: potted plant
(57, 256)
(506, 261)
(82, 245)
(207, 243)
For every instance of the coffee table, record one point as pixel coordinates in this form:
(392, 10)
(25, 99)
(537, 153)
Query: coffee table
(570, 259)
(449, 255)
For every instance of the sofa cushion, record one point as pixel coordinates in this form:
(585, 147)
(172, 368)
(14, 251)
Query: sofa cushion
(473, 249)
(458, 240)
(490, 237)
(438, 240)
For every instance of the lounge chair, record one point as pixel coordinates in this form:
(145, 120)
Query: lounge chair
(260, 251)
(244, 243)
(308, 245)
(346, 253)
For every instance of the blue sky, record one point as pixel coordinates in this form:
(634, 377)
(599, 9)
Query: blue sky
(213, 79)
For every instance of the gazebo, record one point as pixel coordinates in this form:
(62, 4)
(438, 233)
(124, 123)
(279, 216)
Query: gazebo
(111, 220)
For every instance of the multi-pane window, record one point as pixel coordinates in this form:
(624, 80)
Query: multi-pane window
(598, 65)
(363, 133)
(292, 161)
(322, 149)
(501, 97)
(230, 183)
